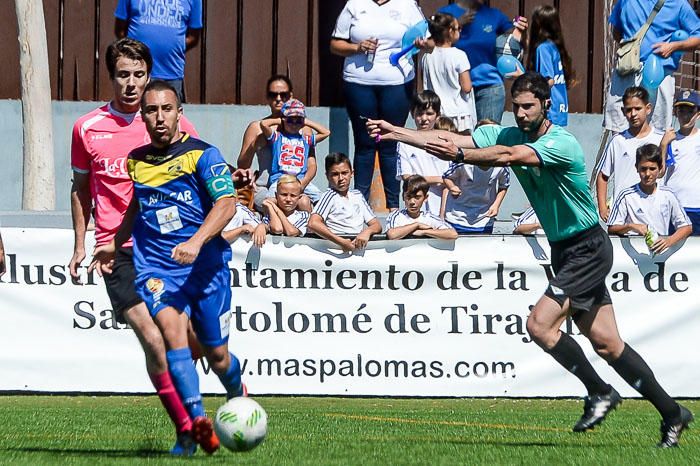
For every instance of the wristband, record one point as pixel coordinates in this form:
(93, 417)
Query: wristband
(460, 156)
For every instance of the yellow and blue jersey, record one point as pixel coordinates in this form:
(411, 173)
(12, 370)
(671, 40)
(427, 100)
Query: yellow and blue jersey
(176, 188)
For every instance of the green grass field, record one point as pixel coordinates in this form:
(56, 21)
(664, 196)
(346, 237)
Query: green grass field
(41, 430)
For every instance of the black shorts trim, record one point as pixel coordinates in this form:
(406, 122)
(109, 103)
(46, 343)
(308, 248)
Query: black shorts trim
(120, 284)
(581, 264)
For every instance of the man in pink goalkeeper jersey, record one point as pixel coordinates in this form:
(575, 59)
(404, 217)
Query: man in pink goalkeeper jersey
(102, 140)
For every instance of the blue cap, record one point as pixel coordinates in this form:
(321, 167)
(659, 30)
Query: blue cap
(687, 97)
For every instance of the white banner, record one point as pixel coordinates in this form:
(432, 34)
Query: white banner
(404, 318)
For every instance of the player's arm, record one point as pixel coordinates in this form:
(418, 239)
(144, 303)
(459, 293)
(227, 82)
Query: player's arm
(494, 156)
(496, 206)
(384, 130)
(440, 233)
(434, 180)
(403, 231)
(80, 205)
(121, 27)
(234, 233)
(666, 242)
(215, 221)
(526, 229)
(623, 229)
(3, 267)
(275, 215)
(103, 256)
(601, 193)
(322, 132)
(266, 126)
(373, 227)
(311, 169)
(318, 226)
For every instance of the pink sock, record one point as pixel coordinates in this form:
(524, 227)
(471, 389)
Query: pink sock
(171, 401)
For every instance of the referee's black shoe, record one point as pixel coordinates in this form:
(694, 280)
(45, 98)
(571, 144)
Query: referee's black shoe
(671, 431)
(595, 408)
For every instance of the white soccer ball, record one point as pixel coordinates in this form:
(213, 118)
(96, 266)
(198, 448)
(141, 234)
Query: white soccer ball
(241, 424)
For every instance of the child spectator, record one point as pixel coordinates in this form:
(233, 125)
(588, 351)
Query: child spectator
(446, 72)
(425, 109)
(646, 208)
(548, 56)
(683, 166)
(244, 222)
(283, 217)
(342, 211)
(446, 124)
(293, 152)
(528, 224)
(475, 197)
(619, 156)
(413, 221)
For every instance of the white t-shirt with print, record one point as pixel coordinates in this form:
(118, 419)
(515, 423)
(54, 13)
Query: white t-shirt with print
(415, 161)
(658, 210)
(479, 189)
(683, 177)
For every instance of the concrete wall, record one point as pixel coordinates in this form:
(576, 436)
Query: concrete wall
(223, 126)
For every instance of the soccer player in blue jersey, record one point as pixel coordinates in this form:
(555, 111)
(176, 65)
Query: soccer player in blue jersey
(183, 198)
(550, 165)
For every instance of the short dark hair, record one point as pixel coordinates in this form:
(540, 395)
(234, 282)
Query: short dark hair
(648, 153)
(129, 48)
(446, 124)
(425, 100)
(439, 25)
(335, 158)
(532, 82)
(415, 184)
(637, 92)
(159, 85)
(279, 77)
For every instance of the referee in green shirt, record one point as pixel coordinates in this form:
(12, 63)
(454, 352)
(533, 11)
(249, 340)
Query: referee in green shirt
(550, 165)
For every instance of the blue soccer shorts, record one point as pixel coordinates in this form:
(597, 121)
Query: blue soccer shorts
(204, 295)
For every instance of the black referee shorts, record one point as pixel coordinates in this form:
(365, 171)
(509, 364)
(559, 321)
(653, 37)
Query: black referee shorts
(580, 266)
(120, 283)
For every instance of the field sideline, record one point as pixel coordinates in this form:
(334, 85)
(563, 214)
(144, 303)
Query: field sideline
(134, 429)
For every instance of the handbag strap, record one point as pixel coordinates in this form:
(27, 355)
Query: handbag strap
(642, 32)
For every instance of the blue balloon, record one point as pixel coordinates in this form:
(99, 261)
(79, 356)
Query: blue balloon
(508, 65)
(653, 72)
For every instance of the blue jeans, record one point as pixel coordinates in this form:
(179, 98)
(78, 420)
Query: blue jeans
(390, 103)
(490, 102)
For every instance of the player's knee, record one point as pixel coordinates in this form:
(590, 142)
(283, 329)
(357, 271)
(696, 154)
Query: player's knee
(609, 350)
(540, 333)
(219, 359)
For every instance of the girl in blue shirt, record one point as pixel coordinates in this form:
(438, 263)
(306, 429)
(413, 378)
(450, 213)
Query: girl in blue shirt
(548, 56)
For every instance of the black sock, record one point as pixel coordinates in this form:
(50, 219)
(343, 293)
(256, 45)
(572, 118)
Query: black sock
(569, 354)
(635, 371)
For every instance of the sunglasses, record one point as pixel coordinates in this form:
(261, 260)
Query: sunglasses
(282, 95)
(294, 120)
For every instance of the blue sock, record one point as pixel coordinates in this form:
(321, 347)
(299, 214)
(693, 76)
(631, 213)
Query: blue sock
(231, 380)
(186, 380)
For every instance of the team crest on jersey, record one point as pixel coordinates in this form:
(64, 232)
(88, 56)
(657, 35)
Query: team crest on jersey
(175, 168)
(488, 28)
(155, 285)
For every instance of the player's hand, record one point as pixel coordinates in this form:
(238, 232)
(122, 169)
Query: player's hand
(259, 235)
(242, 177)
(639, 228)
(442, 148)
(664, 49)
(379, 129)
(659, 246)
(75, 261)
(423, 226)
(186, 253)
(604, 213)
(103, 259)
(492, 212)
(347, 245)
(455, 191)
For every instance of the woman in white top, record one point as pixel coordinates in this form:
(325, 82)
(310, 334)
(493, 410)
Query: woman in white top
(446, 72)
(366, 33)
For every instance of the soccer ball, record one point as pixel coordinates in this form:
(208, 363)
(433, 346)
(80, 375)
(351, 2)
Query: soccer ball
(241, 424)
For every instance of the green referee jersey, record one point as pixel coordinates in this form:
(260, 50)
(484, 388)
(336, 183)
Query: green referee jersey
(558, 188)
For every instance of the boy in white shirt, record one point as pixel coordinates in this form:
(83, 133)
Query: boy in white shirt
(618, 159)
(425, 109)
(475, 197)
(244, 222)
(342, 211)
(413, 221)
(283, 217)
(646, 206)
(683, 164)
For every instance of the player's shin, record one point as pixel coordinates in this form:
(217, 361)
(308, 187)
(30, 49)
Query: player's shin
(639, 375)
(231, 379)
(569, 354)
(171, 402)
(186, 380)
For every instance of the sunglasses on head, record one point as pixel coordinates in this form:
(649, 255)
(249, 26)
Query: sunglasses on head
(294, 120)
(282, 95)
